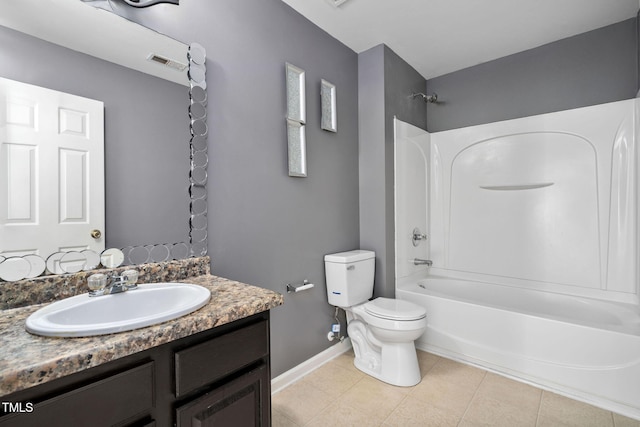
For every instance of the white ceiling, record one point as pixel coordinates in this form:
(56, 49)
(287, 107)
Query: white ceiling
(440, 36)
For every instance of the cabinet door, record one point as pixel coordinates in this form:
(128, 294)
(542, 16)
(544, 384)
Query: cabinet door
(243, 402)
(114, 400)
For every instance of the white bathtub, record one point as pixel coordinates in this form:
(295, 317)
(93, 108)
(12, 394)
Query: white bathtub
(583, 348)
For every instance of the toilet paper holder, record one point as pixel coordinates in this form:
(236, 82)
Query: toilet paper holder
(299, 287)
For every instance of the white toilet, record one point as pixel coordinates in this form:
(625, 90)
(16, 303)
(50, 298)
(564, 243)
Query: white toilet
(383, 330)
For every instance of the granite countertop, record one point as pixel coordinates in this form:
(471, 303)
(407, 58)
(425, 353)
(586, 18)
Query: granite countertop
(27, 360)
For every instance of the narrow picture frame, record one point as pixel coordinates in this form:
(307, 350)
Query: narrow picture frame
(329, 120)
(297, 149)
(296, 98)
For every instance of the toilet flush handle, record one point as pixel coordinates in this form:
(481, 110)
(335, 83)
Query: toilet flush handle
(351, 267)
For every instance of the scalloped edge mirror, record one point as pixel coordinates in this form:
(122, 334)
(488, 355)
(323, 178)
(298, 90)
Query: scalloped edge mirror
(186, 66)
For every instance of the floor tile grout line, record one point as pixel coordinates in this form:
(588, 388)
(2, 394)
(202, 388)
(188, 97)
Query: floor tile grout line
(392, 410)
(472, 397)
(284, 414)
(539, 407)
(321, 411)
(395, 407)
(430, 369)
(311, 384)
(333, 401)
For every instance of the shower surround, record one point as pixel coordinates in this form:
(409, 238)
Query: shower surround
(532, 230)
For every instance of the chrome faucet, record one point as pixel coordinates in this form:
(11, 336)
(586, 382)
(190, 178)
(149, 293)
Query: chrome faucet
(118, 284)
(418, 261)
(101, 284)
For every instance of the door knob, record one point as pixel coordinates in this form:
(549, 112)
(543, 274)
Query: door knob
(96, 234)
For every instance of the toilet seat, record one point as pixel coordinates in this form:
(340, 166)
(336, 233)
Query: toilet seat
(394, 309)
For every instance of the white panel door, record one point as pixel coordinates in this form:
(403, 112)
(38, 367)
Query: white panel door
(51, 170)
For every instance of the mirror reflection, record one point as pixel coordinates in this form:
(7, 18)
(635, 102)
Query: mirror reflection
(148, 109)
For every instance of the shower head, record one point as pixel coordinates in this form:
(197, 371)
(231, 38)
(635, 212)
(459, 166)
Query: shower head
(426, 98)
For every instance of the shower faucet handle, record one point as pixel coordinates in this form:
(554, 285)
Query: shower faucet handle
(417, 236)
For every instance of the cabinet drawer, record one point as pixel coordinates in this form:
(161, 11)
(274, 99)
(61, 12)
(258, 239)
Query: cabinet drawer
(244, 401)
(207, 362)
(103, 403)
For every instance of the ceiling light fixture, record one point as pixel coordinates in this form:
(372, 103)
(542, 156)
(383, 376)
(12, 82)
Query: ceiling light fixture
(106, 4)
(147, 3)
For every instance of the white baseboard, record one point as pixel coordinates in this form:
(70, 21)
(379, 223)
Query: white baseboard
(308, 366)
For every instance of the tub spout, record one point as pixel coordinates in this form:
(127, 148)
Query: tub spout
(418, 261)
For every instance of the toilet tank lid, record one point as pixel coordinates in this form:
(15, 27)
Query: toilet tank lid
(350, 256)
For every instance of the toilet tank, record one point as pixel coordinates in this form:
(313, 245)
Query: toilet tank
(349, 277)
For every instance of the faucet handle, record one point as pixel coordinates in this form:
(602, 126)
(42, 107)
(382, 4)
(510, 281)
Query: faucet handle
(417, 236)
(97, 283)
(130, 278)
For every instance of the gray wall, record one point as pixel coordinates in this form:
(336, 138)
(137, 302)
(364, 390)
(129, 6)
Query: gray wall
(266, 228)
(385, 85)
(591, 68)
(146, 137)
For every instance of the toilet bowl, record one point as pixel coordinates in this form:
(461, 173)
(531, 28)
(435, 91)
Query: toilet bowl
(384, 346)
(382, 330)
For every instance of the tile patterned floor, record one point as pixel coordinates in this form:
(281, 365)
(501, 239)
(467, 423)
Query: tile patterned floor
(450, 394)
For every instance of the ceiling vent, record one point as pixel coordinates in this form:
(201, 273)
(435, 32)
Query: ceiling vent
(154, 57)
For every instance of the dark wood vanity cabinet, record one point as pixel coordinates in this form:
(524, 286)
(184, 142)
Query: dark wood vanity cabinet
(219, 377)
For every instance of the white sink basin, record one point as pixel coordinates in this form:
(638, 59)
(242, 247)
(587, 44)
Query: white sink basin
(83, 316)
